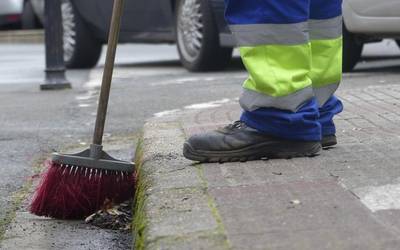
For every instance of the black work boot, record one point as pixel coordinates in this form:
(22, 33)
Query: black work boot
(328, 141)
(238, 142)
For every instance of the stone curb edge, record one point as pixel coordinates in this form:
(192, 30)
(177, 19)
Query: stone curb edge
(173, 209)
(21, 36)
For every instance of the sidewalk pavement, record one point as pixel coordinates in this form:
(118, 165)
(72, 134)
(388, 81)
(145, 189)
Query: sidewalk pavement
(348, 197)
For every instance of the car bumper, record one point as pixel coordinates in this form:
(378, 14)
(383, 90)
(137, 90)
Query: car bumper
(10, 19)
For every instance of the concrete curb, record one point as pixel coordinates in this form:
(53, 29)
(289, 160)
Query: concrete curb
(173, 209)
(22, 36)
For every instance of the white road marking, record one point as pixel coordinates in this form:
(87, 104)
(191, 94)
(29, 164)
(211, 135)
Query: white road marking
(83, 97)
(88, 95)
(95, 77)
(381, 197)
(84, 105)
(204, 105)
(167, 112)
(178, 81)
(200, 79)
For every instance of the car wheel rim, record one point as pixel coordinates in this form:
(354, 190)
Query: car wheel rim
(190, 29)
(69, 29)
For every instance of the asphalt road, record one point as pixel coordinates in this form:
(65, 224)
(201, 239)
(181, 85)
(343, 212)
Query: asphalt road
(148, 80)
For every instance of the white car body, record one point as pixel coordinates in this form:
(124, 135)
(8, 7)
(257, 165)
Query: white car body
(10, 7)
(380, 18)
(10, 10)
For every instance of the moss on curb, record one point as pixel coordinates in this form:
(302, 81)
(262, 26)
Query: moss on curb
(213, 207)
(16, 200)
(139, 218)
(18, 197)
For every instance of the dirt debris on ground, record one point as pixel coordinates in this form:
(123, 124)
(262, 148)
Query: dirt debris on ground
(113, 216)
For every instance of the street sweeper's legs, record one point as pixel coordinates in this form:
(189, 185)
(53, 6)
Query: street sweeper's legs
(281, 111)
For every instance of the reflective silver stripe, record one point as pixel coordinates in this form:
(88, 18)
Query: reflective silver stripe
(325, 28)
(252, 100)
(325, 92)
(268, 34)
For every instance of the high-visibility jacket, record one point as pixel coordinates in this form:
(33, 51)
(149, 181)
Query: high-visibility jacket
(292, 50)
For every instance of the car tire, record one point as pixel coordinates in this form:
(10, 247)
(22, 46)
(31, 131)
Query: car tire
(197, 37)
(352, 49)
(81, 48)
(28, 18)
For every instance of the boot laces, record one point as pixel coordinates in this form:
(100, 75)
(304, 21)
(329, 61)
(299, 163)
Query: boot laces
(236, 125)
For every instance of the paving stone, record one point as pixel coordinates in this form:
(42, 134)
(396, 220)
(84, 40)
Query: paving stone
(323, 240)
(283, 212)
(178, 212)
(200, 242)
(390, 218)
(259, 172)
(183, 178)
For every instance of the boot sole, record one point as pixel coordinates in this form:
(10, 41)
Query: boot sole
(328, 141)
(287, 150)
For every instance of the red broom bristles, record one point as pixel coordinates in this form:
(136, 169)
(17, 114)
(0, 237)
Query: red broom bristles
(72, 192)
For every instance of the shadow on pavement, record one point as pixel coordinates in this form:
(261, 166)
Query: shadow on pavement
(157, 64)
(378, 64)
(377, 58)
(368, 64)
(235, 64)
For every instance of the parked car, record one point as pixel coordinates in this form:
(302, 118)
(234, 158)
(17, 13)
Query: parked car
(199, 29)
(368, 21)
(10, 12)
(197, 26)
(20, 13)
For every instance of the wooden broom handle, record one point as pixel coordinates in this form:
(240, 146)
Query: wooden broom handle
(108, 71)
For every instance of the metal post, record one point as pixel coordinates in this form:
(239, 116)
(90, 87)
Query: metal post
(55, 67)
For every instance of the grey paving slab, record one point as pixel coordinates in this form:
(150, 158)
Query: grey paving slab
(322, 240)
(201, 242)
(390, 218)
(262, 172)
(290, 215)
(179, 212)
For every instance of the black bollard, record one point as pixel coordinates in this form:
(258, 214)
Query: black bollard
(55, 67)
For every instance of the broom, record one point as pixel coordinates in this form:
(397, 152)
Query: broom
(76, 185)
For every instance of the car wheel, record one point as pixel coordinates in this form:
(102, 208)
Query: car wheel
(28, 17)
(81, 49)
(197, 37)
(352, 49)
